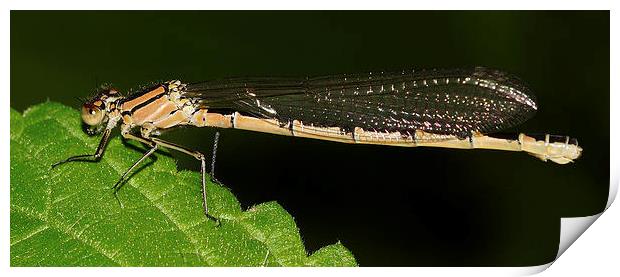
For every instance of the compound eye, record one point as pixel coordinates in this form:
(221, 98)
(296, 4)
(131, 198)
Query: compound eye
(92, 115)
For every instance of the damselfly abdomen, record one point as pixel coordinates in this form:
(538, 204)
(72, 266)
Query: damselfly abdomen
(454, 108)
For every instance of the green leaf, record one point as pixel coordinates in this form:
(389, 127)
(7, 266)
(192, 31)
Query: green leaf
(68, 216)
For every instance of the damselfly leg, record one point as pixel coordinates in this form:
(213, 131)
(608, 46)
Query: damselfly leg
(90, 157)
(215, 142)
(155, 143)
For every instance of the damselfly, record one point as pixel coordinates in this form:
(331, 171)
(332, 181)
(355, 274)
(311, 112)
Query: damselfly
(453, 108)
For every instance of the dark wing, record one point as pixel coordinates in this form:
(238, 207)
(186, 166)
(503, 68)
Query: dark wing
(447, 102)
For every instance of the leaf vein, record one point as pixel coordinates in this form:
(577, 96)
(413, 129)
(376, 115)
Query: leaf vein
(31, 234)
(58, 227)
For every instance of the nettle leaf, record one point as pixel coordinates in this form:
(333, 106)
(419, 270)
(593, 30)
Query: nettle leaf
(68, 216)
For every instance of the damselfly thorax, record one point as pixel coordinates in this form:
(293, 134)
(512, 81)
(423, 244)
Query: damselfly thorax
(454, 108)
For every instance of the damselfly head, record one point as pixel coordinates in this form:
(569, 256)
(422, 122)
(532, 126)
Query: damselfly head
(95, 111)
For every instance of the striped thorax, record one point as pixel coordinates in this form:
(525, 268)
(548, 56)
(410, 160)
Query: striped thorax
(158, 108)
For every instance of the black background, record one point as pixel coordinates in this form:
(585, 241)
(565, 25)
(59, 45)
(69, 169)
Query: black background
(388, 205)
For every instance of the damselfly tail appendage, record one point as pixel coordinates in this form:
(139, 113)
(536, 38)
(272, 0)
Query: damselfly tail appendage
(454, 108)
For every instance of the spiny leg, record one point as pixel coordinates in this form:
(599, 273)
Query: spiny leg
(117, 186)
(119, 183)
(90, 157)
(215, 142)
(155, 142)
(198, 156)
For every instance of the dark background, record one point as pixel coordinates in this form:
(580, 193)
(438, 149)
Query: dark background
(389, 205)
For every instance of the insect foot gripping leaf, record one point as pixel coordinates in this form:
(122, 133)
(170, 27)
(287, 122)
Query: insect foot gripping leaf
(68, 216)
